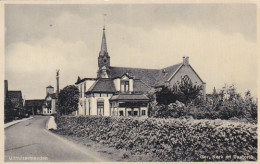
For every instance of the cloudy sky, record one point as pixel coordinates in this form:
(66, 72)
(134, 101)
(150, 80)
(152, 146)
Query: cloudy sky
(219, 39)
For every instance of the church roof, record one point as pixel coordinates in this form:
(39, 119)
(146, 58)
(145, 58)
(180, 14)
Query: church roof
(151, 77)
(140, 86)
(49, 86)
(103, 85)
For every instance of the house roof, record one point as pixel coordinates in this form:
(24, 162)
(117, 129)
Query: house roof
(84, 79)
(34, 102)
(14, 94)
(131, 97)
(103, 85)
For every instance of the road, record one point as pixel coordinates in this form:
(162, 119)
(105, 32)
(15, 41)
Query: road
(30, 141)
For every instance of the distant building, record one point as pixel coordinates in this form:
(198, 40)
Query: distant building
(121, 91)
(49, 106)
(17, 101)
(34, 107)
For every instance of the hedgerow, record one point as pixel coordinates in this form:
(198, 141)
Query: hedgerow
(168, 139)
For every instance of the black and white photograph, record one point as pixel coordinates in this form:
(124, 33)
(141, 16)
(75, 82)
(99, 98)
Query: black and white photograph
(130, 82)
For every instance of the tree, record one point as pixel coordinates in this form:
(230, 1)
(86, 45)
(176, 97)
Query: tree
(68, 100)
(184, 91)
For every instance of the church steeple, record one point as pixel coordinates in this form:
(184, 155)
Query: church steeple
(103, 58)
(103, 50)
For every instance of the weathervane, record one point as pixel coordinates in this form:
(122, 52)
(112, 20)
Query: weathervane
(104, 19)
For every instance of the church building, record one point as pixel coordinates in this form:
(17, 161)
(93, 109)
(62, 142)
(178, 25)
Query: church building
(122, 91)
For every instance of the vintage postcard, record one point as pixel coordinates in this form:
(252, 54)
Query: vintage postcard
(115, 81)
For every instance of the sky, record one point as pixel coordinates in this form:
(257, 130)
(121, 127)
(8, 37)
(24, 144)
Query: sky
(220, 40)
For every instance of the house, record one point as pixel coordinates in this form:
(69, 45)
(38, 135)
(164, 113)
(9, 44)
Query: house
(17, 102)
(34, 107)
(122, 91)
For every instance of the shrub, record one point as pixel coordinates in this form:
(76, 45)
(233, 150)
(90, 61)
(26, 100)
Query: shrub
(168, 139)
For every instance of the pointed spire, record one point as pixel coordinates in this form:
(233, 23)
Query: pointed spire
(103, 50)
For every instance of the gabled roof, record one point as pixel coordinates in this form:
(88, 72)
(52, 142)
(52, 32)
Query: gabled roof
(30, 103)
(14, 94)
(102, 85)
(133, 97)
(166, 73)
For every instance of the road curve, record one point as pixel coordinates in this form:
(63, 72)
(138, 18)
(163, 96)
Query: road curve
(30, 141)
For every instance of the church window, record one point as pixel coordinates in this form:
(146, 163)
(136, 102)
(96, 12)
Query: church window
(186, 79)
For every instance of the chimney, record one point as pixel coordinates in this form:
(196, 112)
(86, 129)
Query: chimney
(186, 60)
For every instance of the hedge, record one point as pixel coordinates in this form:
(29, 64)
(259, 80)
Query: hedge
(168, 139)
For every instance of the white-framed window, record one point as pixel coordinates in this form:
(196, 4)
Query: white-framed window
(100, 108)
(124, 86)
(143, 112)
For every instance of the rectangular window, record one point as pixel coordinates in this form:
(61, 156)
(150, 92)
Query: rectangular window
(143, 112)
(124, 86)
(100, 108)
(121, 113)
(129, 113)
(135, 113)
